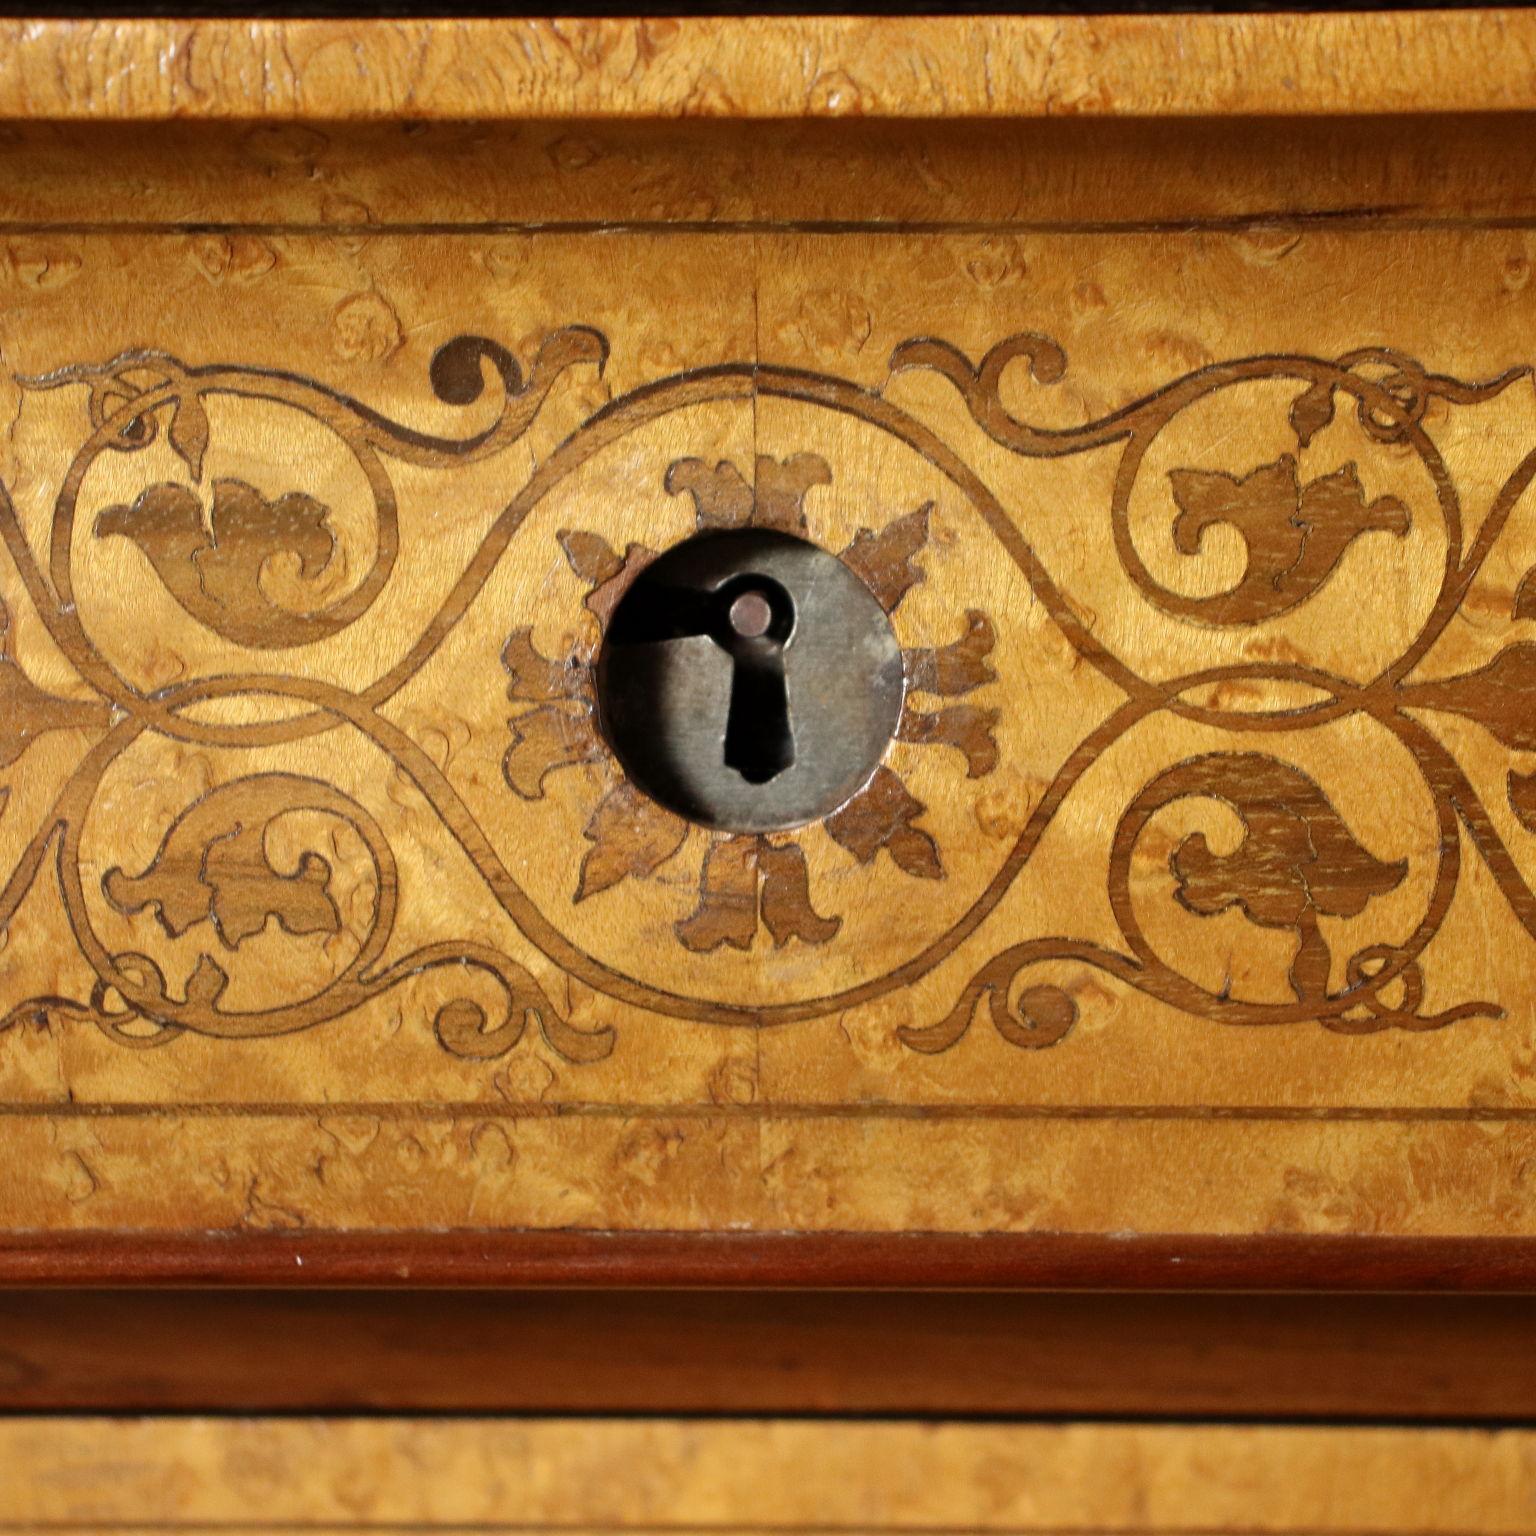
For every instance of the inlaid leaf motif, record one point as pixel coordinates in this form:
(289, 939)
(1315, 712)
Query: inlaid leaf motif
(222, 548)
(750, 880)
(188, 433)
(590, 555)
(552, 736)
(206, 984)
(965, 727)
(533, 676)
(1297, 861)
(727, 910)
(786, 896)
(1500, 697)
(782, 486)
(213, 866)
(1521, 788)
(1296, 534)
(775, 499)
(882, 815)
(956, 668)
(214, 570)
(630, 835)
(721, 495)
(886, 561)
(607, 572)
(1312, 410)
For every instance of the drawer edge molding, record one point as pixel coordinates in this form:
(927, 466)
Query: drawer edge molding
(768, 1260)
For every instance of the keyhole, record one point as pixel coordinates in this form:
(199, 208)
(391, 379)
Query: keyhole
(759, 619)
(749, 680)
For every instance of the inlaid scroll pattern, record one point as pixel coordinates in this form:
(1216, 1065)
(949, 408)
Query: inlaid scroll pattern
(224, 872)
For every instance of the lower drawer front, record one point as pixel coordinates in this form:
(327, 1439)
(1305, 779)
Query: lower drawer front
(729, 1478)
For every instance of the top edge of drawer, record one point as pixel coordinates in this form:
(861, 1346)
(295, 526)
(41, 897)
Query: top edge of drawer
(771, 67)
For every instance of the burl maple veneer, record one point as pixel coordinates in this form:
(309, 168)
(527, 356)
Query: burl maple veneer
(1164, 388)
(547, 1477)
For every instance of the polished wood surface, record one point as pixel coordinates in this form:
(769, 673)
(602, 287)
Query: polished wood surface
(526, 1258)
(1184, 933)
(1326, 1358)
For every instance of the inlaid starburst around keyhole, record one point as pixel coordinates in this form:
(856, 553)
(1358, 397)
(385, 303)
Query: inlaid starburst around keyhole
(749, 681)
(753, 874)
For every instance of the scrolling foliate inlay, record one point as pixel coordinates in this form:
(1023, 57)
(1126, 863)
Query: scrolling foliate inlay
(1240, 826)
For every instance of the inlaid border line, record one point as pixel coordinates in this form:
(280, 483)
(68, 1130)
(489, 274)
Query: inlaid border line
(1347, 221)
(489, 1109)
(467, 1109)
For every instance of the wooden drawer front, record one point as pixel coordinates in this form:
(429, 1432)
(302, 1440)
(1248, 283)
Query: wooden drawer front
(1193, 895)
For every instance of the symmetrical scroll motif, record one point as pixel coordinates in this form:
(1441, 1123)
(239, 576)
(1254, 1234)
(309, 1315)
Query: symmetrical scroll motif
(214, 869)
(1297, 863)
(1243, 831)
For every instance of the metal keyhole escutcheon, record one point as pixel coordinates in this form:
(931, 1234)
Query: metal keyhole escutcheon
(749, 681)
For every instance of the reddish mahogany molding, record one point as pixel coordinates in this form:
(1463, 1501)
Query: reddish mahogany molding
(1188, 1354)
(844, 1260)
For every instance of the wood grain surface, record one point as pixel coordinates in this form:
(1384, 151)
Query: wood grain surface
(1321, 1358)
(770, 67)
(1189, 466)
(596, 1475)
